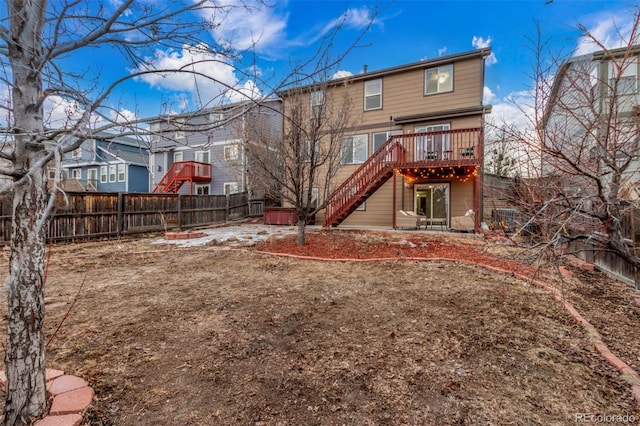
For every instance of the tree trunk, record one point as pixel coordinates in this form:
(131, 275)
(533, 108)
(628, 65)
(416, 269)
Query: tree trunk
(25, 351)
(302, 226)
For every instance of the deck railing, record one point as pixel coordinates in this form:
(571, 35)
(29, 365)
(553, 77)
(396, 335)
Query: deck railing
(183, 171)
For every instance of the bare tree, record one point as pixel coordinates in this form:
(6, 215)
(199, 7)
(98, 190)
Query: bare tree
(500, 158)
(299, 166)
(36, 38)
(586, 140)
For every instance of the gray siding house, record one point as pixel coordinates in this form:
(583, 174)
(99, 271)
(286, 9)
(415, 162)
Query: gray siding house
(203, 152)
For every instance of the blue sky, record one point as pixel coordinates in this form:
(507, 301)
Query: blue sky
(403, 31)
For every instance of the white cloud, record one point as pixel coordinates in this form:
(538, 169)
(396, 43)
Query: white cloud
(515, 110)
(208, 78)
(612, 31)
(487, 95)
(59, 112)
(442, 51)
(341, 74)
(481, 43)
(251, 24)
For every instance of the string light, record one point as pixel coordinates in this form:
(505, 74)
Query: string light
(460, 173)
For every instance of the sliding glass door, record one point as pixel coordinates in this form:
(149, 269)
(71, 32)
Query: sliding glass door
(432, 201)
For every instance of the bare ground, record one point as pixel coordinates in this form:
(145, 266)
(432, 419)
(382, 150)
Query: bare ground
(202, 336)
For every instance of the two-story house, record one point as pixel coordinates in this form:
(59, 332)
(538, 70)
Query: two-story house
(416, 143)
(203, 152)
(106, 163)
(591, 124)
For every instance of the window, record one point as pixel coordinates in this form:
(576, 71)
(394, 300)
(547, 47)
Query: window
(178, 156)
(309, 147)
(179, 135)
(217, 119)
(121, 172)
(432, 147)
(76, 174)
(380, 138)
(316, 103)
(112, 173)
(628, 77)
(354, 149)
(202, 156)
(202, 189)
(77, 153)
(92, 179)
(230, 188)
(314, 197)
(103, 174)
(373, 94)
(231, 152)
(438, 80)
(362, 207)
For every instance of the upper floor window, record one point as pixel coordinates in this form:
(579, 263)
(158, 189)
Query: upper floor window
(380, 138)
(231, 152)
(202, 156)
(373, 94)
(217, 119)
(354, 149)
(628, 77)
(121, 172)
(77, 153)
(438, 80)
(230, 188)
(316, 103)
(76, 173)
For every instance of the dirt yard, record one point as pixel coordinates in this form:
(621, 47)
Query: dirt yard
(216, 335)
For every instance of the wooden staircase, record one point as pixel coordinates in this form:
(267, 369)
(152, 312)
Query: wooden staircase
(370, 176)
(181, 172)
(410, 152)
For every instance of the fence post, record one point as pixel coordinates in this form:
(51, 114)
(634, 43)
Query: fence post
(120, 215)
(180, 211)
(227, 208)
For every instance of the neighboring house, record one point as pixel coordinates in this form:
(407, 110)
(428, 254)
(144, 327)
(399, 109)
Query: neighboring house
(106, 163)
(591, 119)
(203, 152)
(417, 143)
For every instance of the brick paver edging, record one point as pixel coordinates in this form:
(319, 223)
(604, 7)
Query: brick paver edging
(71, 396)
(627, 373)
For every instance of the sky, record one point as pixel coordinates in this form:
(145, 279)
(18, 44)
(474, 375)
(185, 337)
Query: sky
(386, 34)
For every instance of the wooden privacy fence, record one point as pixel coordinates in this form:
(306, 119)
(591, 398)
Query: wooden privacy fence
(84, 216)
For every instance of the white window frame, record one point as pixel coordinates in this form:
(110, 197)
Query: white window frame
(362, 207)
(231, 152)
(435, 147)
(443, 78)
(92, 178)
(316, 103)
(202, 189)
(113, 173)
(217, 119)
(230, 188)
(357, 152)
(179, 134)
(76, 174)
(178, 156)
(371, 92)
(77, 153)
(122, 172)
(104, 174)
(203, 157)
(630, 72)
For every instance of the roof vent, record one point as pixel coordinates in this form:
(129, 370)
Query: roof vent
(365, 68)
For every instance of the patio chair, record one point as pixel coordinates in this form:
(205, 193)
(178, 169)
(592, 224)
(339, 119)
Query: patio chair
(421, 220)
(405, 220)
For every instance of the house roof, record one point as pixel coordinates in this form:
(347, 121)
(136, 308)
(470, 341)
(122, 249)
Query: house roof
(218, 108)
(441, 60)
(137, 158)
(460, 112)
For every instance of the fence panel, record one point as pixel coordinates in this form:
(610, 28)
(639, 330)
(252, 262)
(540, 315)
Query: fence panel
(83, 215)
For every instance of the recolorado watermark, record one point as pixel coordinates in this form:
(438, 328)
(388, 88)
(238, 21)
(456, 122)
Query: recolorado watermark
(604, 418)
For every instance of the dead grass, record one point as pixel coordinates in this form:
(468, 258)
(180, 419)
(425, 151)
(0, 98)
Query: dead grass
(207, 336)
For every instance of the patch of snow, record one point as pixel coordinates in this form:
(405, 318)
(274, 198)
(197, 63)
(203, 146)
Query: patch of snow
(238, 235)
